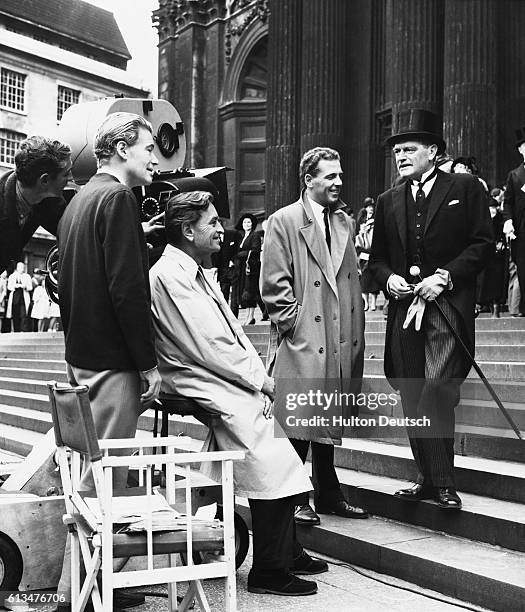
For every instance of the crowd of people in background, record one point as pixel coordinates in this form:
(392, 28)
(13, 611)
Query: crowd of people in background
(24, 302)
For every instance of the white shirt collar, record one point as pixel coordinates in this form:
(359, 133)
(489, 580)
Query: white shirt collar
(424, 176)
(317, 211)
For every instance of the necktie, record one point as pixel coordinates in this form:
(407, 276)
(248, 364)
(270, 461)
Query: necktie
(209, 291)
(326, 216)
(420, 194)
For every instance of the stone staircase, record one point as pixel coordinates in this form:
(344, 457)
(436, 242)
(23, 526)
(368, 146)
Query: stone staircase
(476, 555)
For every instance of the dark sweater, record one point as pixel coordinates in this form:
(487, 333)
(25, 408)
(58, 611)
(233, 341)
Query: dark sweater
(103, 279)
(13, 238)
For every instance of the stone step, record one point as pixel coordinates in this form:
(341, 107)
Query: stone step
(472, 388)
(487, 337)
(25, 418)
(41, 354)
(22, 399)
(469, 441)
(31, 337)
(40, 375)
(16, 440)
(493, 370)
(484, 352)
(30, 364)
(482, 519)
(24, 385)
(499, 479)
(468, 412)
(482, 324)
(485, 575)
(481, 476)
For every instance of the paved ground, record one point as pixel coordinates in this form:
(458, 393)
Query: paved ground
(340, 589)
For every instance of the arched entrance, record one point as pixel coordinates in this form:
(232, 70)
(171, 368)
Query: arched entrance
(243, 119)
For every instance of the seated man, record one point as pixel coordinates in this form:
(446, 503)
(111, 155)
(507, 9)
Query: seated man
(204, 354)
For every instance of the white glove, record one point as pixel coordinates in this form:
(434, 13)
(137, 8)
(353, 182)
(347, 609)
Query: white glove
(508, 229)
(415, 311)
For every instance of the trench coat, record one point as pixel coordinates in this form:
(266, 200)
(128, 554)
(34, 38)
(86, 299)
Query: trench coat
(314, 300)
(204, 354)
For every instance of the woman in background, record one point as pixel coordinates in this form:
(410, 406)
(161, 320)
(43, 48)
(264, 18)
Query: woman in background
(363, 242)
(247, 266)
(493, 281)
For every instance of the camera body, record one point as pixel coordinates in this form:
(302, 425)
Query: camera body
(79, 126)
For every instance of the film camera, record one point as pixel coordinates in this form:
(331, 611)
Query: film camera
(78, 128)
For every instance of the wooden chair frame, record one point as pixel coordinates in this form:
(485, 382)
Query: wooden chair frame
(92, 537)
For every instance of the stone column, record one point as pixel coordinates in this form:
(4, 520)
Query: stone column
(469, 93)
(510, 84)
(417, 56)
(283, 98)
(324, 77)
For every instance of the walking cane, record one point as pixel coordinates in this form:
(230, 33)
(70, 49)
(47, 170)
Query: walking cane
(415, 271)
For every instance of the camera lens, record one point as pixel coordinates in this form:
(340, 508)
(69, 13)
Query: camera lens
(167, 139)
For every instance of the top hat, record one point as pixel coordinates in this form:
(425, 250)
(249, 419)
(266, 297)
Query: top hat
(520, 136)
(415, 123)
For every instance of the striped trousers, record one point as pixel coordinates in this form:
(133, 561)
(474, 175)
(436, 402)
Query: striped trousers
(429, 367)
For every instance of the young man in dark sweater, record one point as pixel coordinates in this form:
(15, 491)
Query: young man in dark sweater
(104, 291)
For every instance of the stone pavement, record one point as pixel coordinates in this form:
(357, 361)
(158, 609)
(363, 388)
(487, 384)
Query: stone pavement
(340, 589)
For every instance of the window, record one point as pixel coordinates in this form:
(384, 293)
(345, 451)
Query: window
(66, 98)
(12, 89)
(9, 142)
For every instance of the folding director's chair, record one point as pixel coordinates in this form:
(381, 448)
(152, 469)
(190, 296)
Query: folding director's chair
(90, 516)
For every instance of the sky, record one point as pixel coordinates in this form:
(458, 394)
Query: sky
(134, 20)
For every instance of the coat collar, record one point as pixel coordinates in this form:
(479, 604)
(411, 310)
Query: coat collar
(316, 243)
(399, 195)
(439, 192)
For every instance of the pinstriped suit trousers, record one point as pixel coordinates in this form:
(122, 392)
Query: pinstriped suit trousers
(428, 365)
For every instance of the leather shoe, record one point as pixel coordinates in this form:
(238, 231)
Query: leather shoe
(305, 515)
(305, 565)
(416, 493)
(447, 498)
(280, 583)
(343, 508)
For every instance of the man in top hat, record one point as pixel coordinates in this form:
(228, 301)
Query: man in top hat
(440, 223)
(513, 214)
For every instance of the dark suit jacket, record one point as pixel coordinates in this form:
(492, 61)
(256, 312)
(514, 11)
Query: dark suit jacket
(514, 199)
(13, 238)
(103, 280)
(229, 248)
(457, 238)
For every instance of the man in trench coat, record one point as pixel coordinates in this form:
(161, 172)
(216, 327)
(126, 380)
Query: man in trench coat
(310, 285)
(439, 222)
(204, 354)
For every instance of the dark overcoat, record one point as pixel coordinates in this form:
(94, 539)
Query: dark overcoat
(457, 237)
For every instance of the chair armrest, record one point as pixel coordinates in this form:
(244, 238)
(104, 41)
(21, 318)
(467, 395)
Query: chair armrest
(168, 442)
(180, 458)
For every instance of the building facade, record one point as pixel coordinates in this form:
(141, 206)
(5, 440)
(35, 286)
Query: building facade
(257, 82)
(54, 54)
